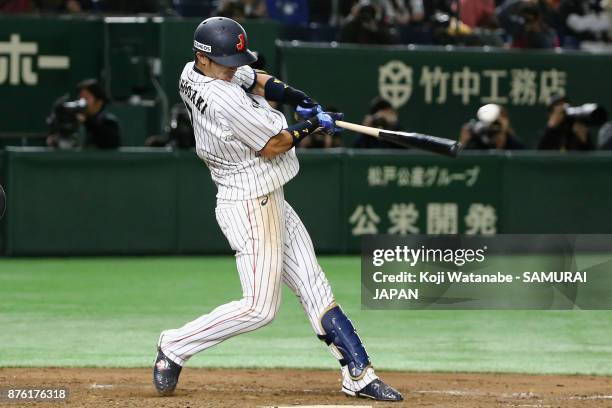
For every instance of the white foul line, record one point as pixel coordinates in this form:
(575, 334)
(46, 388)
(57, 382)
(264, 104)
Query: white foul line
(592, 397)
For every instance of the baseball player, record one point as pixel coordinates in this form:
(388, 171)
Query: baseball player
(250, 151)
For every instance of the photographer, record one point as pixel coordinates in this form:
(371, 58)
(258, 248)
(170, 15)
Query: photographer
(179, 132)
(102, 128)
(382, 115)
(492, 130)
(566, 132)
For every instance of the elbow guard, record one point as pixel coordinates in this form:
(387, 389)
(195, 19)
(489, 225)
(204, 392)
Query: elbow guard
(277, 91)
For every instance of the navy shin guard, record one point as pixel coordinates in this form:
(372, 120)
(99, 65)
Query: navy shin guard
(340, 332)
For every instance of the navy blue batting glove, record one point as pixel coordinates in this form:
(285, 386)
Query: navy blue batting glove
(308, 108)
(327, 120)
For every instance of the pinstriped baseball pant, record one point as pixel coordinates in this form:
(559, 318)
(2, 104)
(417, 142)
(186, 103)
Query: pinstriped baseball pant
(272, 246)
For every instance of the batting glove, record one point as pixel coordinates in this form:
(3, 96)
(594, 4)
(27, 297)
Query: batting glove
(308, 108)
(327, 120)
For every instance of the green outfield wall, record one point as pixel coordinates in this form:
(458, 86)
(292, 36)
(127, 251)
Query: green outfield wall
(435, 90)
(161, 202)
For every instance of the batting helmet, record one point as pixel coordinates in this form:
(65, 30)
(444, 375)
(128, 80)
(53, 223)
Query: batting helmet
(224, 41)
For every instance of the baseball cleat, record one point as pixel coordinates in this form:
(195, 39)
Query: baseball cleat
(376, 390)
(165, 374)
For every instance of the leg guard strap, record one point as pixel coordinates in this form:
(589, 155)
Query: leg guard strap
(340, 332)
(323, 338)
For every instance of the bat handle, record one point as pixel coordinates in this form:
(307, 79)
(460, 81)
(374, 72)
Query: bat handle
(358, 128)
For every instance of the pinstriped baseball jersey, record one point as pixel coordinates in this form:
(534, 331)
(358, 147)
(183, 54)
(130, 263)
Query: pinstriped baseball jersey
(230, 127)
(271, 243)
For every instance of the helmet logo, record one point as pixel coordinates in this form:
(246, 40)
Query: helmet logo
(202, 47)
(241, 42)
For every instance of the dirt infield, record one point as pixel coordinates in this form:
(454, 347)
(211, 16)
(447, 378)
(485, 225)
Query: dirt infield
(91, 387)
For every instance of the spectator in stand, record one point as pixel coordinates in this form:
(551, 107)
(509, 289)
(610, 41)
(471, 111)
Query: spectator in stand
(478, 13)
(382, 115)
(291, 12)
(585, 19)
(242, 9)
(402, 12)
(550, 10)
(561, 132)
(447, 27)
(525, 21)
(15, 6)
(365, 26)
(535, 33)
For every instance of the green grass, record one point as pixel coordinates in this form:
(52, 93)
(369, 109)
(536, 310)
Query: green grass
(109, 312)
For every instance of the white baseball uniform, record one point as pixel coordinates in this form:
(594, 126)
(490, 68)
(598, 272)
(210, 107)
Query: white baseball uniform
(271, 243)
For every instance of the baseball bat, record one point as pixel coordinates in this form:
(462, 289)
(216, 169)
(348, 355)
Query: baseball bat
(439, 145)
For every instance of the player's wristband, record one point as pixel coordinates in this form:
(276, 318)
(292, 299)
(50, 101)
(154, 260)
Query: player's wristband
(302, 129)
(277, 91)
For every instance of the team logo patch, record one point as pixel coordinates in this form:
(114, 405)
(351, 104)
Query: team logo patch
(202, 47)
(162, 365)
(241, 42)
